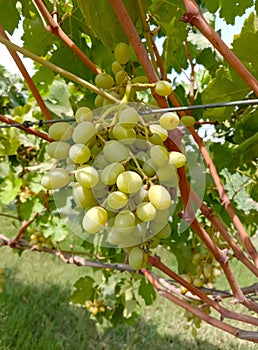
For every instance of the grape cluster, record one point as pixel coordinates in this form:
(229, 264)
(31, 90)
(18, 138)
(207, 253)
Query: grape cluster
(95, 307)
(1, 280)
(193, 322)
(121, 174)
(38, 239)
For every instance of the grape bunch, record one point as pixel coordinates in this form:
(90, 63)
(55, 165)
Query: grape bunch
(37, 239)
(122, 177)
(95, 307)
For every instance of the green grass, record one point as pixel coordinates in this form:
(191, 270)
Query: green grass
(35, 314)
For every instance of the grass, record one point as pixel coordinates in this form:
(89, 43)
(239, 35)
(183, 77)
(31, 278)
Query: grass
(35, 314)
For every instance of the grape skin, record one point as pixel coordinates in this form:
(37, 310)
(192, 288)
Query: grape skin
(55, 179)
(159, 197)
(58, 150)
(94, 219)
(61, 131)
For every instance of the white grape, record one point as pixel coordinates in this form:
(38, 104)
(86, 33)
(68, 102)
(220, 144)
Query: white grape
(55, 179)
(83, 132)
(94, 219)
(129, 182)
(58, 150)
(87, 176)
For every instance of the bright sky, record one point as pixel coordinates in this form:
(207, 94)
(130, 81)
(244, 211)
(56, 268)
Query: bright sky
(228, 31)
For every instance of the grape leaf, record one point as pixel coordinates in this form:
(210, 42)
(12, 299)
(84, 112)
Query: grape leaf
(11, 21)
(84, 290)
(147, 292)
(9, 189)
(245, 51)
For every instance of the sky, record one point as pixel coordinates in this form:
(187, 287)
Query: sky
(228, 32)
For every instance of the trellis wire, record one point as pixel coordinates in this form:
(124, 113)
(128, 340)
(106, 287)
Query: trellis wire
(28, 123)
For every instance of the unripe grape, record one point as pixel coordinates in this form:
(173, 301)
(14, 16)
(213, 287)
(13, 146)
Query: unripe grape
(61, 131)
(188, 121)
(149, 168)
(79, 153)
(169, 121)
(87, 176)
(116, 67)
(167, 175)
(146, 211)
(104, 81)
(157, 129)
(117, 200)
(198, 282)
(94, 219)
(129, 182)
(83, 114)
(177, 159)
(124, 221)
(55, 179)
(110, 173)
(122, 53)
(83, 132)
(121, 77)
(83, 197)
(124, 135)
(115, 151)
(137, 258)
(159, 197)
(128, 118)
(58, 150)
(165, 232)
(159, 155)
(163, 88)
(98, 102)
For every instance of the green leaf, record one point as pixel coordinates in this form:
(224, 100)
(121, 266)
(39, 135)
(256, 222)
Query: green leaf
(245, 51)
(84, 290)
(9, 189)
(147, 292)
(30, 207)
(9, 22)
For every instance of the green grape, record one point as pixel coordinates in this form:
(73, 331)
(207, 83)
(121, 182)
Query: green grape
(140, 229)
(61, 131)
(165, 232)
(83, 197)
(117, 200)
(83, 114)
(98, 102)
(198, 282)
(121, 77)
(157, 129)
(87, 176)
(129, 182)
(58, 150)
(167, 175)
(137, 258)
(163, 88)
(124, 222)
(162, 216)
(55, 179)
(110, 173)
(146, 211)
(100, 161)
(116, 67)
(104, 81)
(169, 121)
(83, 132)
(153, 242)
(122, 53)
(124, 135)
(79, 153)
(159, 155)
(141, 79)
(149, 168)
(94, 219)
(177, 159)
(115, 151)
(188, 121)
(128, 118)
(159, 197)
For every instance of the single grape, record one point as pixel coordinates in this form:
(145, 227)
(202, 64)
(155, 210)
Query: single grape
(83, 197)
(94, 219)
(188, 121)
(124, 222)
(159, 197)
(121, 77)
(157, 129)
(115, 151)
(165, 232)
(159, 155)
(83, 132)
(169, 121)
(137, 258)
(153, 242)
(128, 118)
(117, 200)
(104, 81)
(116, 67)
(146, 211)
(58, 150)
(98, 102)
(167, 175)
(129, 182)
(149, 168)
(87, 176)
(124, 135)
(177, 159)
(79, 153)
(110, 173)
(61, 131)
(163, 88)
(122, 53)
(83, 114)
(55, 179)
